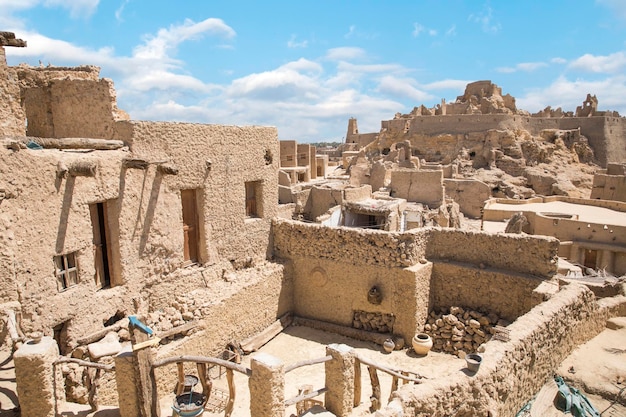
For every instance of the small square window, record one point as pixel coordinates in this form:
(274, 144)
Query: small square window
(66, 270)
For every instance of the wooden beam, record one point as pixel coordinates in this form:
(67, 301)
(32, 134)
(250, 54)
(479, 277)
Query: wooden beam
(358, 334)
(145, 378)
(95, 336)
(136, 163)
(78, 143)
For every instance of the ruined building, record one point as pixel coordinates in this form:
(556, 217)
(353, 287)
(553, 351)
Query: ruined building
(134, 253)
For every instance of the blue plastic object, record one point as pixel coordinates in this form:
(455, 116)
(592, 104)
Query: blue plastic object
(135, 322)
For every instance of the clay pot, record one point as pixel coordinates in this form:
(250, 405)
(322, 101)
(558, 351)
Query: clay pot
(422, 343)
(36, 337)
(473, 361)
(389, 345)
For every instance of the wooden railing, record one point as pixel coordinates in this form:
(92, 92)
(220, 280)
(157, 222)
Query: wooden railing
(305, 395)
(201, 362)
(372, 368)
(93, 379)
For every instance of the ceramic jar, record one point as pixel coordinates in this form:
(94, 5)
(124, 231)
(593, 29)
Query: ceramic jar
(389, 345)
(422, 343)
(473, 361)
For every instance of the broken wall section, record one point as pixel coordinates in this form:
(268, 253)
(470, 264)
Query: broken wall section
(12, 118)
(63, 102)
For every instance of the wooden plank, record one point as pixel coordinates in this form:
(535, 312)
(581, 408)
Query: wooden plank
(543, 405)
(255, 342)
(351, 332)
(94, 337)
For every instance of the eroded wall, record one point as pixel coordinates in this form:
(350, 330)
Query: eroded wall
(512, 371)
(12, 119)
(62, 102)
(333, 269)
(421, 186)
(45, 214)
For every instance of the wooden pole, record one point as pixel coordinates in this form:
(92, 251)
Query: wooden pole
(357, 382)
(375, 398)
(146, 384)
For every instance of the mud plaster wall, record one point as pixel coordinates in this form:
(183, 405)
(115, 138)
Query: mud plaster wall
(420, 186)
(470, 195)
(236, 155)
(492, 291)
(531, 255)
(609, 187)
(332, 291)
(12, 121)
(342, 264)
(512, 372)
(230, 315)
(71, 108)
(45, 215)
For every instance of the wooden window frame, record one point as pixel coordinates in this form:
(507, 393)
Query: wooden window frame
(66, 270)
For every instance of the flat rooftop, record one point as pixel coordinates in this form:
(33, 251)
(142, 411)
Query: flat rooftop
(585, 213)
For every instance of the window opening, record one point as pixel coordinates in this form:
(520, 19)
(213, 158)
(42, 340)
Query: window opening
(66, 270)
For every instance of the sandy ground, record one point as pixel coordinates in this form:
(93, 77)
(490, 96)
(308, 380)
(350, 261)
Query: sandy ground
(597, 367)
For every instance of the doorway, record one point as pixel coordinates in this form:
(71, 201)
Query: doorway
(190, 225)
(102, 244)
(591, 257)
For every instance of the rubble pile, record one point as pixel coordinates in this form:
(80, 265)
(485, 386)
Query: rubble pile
(461, 330)
(181, 310)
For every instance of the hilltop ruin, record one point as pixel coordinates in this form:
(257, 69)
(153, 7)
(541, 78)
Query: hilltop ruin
(136, 255)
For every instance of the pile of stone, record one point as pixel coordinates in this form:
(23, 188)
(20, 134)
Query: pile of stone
(461, 330)
(376, 322)
(181, 310)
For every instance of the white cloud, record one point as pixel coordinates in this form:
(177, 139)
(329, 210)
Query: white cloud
(292, 43)
(283, 83)
(486, 20)
(458, 85)
(417, 29)
(158, 47)
(568, 94)
(120, 10)
(344, 53)
(77, 8)
(523, 66)
(403, 88)
(58, 52)
(617, 6)
(608, 64)
(558, 60)
(371, 68)
(451, 31)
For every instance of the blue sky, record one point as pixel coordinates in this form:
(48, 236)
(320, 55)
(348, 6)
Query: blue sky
(307, 66)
